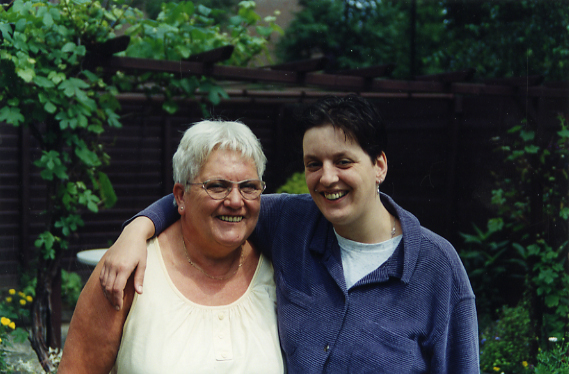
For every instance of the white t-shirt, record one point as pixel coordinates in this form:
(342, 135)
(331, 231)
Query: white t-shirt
(360, 259)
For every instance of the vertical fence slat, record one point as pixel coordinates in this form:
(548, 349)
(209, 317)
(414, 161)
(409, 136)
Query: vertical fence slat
(24, 254)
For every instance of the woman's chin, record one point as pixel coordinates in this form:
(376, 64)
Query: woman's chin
(232, 241)
(335, 216)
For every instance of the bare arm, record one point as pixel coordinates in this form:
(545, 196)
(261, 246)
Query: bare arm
(123, 257)
(95, 331)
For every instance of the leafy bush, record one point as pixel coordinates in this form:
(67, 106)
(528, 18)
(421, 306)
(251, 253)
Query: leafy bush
(152, 7)
(71, 286)
(14, 311)
(295, 184)
(183, 29)
(504, 38)
(497, 38)
(505, 345)
(555, 360)
(526, 243)
(348, 36)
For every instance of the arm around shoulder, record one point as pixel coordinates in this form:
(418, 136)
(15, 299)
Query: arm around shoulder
(129, 251)
(125, 255)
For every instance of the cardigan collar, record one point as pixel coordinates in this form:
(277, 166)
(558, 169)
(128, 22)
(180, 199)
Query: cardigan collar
(401, 264)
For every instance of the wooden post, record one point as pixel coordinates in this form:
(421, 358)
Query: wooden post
(455, 111)
(54, 323)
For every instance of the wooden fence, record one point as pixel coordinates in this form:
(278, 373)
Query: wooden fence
(440, 155)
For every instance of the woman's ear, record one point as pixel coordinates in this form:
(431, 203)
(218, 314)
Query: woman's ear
(179, 192)
(381, 167)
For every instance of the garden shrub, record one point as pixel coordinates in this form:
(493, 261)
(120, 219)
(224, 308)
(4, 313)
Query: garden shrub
(525, 243)
(505, 344)
(555, 360)
(295, 184)
(71, 286)
(14, 312)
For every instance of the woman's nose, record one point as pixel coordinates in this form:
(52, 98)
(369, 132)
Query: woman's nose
(329, 175)
(234, 199)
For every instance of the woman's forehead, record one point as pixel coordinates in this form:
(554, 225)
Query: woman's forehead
(229, 162)
(329, 133)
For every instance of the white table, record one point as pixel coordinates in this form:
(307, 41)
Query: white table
(91, 256)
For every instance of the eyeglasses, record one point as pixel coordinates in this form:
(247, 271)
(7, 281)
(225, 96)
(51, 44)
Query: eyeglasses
(219, 189)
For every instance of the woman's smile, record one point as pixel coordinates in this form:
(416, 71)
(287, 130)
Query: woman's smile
(231, 218)
(334, 195)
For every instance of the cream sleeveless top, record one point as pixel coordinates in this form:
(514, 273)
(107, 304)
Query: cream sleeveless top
(167, 333)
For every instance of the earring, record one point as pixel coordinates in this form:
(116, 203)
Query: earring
(181, 208)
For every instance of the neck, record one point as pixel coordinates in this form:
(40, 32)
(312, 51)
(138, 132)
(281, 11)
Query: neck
(217, 268)
(374, 227)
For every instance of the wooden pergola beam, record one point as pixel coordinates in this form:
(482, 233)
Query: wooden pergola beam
(560, 84)
(110, 46)
(324, 81)
(302, 66)
(369, 72)
(531, 80)
(214, 55)
(450, 77)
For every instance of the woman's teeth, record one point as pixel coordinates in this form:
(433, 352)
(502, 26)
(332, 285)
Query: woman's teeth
(231, 218)
(334, 196)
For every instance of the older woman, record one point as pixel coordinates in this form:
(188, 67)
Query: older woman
(209, 301)
(361, 286)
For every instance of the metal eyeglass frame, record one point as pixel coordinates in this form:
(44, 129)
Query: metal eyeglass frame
(229, 188)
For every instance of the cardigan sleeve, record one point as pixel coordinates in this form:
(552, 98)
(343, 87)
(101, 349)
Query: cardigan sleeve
(162, 213)
(456, 351)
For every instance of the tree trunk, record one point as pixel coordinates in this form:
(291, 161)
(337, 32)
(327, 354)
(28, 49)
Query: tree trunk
(42, 310)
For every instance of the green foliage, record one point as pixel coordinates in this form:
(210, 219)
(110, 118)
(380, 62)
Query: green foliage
(497, 38)
(526, 243)
(492, 264)
(504, 38)
(295, 184)
(551, 282)
(71, 286)
(505, 344)
(541, 165)
(220, 8)
(14, 311)
(348, 36)
(44, 87)
(183, 29)
(555, 360)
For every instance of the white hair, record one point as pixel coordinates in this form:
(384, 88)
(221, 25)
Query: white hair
(204, 137)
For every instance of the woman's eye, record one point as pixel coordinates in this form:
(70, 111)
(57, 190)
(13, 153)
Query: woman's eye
(344, 162)
(216, 186)
(311, 165)
(248, 187)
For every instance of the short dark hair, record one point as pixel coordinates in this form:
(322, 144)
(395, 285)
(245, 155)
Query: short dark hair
(355, 116)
